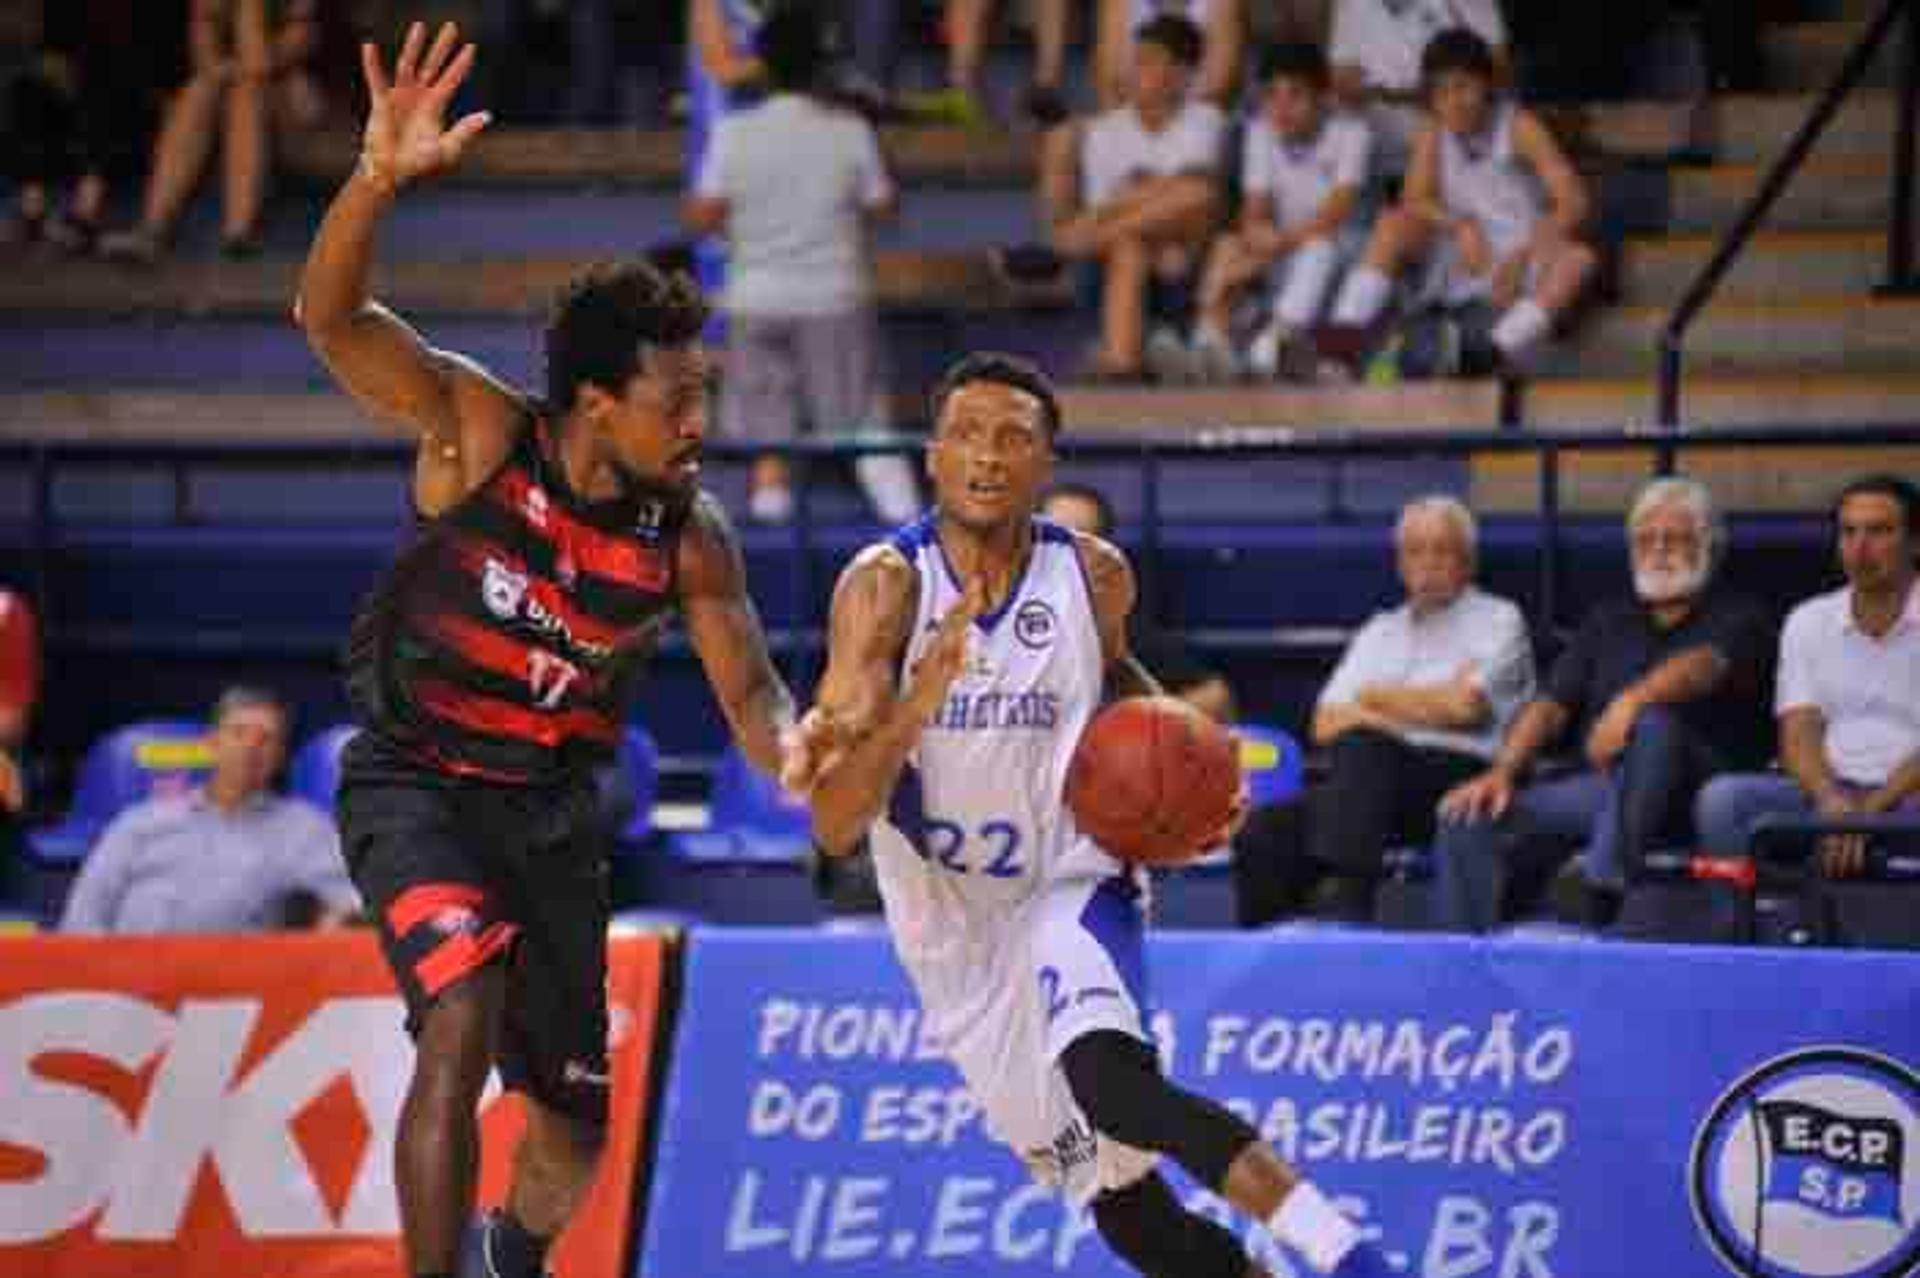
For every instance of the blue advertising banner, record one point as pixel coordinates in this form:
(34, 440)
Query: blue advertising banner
(1503, 1108)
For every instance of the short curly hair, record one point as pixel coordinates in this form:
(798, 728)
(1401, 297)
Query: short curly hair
(602, 318)
(1007, 370)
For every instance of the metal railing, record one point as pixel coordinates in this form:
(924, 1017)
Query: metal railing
(1900, 280)
(44, 461)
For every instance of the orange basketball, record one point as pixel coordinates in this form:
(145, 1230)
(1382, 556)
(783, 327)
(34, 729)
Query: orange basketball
(1153, 780)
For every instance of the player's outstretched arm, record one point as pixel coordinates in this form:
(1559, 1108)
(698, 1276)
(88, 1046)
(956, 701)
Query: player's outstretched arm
(725, 630)
(370, 351)
(1110, 580)
(863, 725)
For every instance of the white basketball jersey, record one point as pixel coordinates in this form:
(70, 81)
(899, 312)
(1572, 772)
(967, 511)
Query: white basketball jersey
(978, 822)
(1481, 177)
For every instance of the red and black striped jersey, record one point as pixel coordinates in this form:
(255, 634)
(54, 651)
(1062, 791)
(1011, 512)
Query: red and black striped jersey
(505, 640)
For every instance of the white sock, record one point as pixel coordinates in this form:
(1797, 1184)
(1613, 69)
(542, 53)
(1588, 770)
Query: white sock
(1362, 298)
(1307, 1221)
(1310, 270)
(1522, 327)
(1205, 334)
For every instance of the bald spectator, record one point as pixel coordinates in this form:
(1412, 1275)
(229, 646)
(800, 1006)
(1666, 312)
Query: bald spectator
(230, 856)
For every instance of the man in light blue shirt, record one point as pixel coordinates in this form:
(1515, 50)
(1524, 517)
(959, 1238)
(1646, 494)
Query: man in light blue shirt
(230, 856)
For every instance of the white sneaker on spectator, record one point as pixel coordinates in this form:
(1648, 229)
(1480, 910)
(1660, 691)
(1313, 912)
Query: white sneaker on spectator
(1263, 353)
(1214, 358)
(770, 504)
(887, 480)
(1168, 359)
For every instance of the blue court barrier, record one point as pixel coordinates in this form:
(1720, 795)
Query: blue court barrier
(1508, 1108)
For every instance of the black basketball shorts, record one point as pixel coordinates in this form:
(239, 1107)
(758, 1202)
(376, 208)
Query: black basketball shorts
(459, 874)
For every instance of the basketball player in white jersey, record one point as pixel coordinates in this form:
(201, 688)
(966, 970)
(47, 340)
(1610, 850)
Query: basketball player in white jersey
(1492, 197)
(1223, 28)
(966, 654)
(1303, 167)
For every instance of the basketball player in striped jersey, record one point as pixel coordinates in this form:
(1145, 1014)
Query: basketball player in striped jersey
(966, 655)
(490, 668)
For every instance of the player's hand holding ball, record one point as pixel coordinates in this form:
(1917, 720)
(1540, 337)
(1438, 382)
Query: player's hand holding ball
(1156, 782)
(407, 136)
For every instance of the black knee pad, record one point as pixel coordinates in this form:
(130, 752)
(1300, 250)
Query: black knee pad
(1117, 1083)
(1149, 1229)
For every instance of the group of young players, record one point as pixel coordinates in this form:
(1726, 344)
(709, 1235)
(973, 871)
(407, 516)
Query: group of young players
(490, 667)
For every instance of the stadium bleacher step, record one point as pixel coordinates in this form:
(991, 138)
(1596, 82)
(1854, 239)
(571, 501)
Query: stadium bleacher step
(155, 414)
(1804, 56)
(919, 155)
(1824, 334)
(1780, 480)
(1830, 196)
(1656, 270)
(480, 286)
(1750, 129)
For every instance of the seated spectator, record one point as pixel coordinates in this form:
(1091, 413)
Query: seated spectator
(1491, 202)
(83, 112)
(793, 183)
(1415, 707)
(1134, 194)
(1086, 509)
(1376, 50)
(1302, 170)
(19, 694)
(1223, 28)
(228, 857)
(252, 64)
(1848, 695)
(1662, 692)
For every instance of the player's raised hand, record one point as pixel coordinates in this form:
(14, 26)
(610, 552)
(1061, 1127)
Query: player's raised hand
(407, 136)
(942, 660)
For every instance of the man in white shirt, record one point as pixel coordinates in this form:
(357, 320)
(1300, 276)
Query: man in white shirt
(793, 184)
(1415, 707)
(1303, 168)
(1375, 49)
(231, 856)
(1848, 692)
(1135, 192)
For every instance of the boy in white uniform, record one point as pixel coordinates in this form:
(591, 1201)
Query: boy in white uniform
(1133, 194)
(965, 656)
(1303, 169)
(1491, 200)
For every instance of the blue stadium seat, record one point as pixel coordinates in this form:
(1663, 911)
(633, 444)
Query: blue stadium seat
(1273, 762)
(639, 770)
(152, 757)
(315, 774)
(751, 818)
